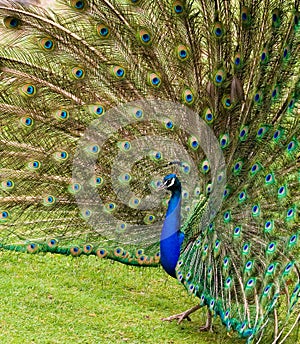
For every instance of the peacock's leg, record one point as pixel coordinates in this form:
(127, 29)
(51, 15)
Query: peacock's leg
(208, 325)
(184, 315)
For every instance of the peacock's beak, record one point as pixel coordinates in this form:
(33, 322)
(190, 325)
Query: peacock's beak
(162, 186)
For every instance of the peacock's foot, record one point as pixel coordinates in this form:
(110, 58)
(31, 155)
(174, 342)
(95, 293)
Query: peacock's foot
(181, 316)
(208, 326)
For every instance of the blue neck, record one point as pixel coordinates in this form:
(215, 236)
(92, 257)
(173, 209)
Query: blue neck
(171, 238)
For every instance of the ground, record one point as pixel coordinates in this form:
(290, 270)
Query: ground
(57, 299)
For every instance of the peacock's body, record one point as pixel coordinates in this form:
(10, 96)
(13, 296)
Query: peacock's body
(100, 100)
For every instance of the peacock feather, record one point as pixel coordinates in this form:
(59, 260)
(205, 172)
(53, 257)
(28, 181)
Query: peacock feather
(105, 102)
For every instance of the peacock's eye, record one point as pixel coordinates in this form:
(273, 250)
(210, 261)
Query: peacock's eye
(170, 182)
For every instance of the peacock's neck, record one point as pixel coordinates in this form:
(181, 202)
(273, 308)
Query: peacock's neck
(171, 237)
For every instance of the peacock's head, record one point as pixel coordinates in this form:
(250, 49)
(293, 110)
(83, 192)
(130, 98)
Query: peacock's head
(171, 183)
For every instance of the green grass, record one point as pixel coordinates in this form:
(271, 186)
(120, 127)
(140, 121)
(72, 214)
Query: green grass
(57, 299)
(47, 298)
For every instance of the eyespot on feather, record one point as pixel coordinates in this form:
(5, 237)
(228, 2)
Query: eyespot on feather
(28, 90)
(193, 142)
(269, 179)
(97, 109)
(255, 168)
(96, 181)
(227, 103)
(139, 252)
(218, 30)
(118, 252)
(168, 124)
(92, 149)
(101, 252)
(237, 167)
(278, 135)
(86, 214)
(154, 80)
(7, 185)
(219, 77)
(276, 18)
(87, 249)
(262, 131)
(264, 57)
(103, 31)
(77, 73)
(182, 52)
(178, 7)
(110, 207)
(292, 146)
(33, 165)
(245, 16)
(11, 22)
(61, 156)
(188, 97)
(136, 113)
(149, 219)
(4, 216)
(52, 243)
(124, 178)
(61, 114)
(49, 200)
(47, 44)
(275, 93)
(75, 251)
(224, 141)
(74, 188)
(32, 248)
(286, 53)
(118, 72)
(205, 166)
(134, 202)
(238, 61)
(78, 5)
(258, 97)
(208, 116)
(268, 226)
(125, 146)
(243, 134)
(156, 156)
(121, 227)
(144, 37)
(27, 121)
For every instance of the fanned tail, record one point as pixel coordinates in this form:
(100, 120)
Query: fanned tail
(83, 152)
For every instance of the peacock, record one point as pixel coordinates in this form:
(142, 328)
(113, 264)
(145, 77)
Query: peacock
(160, 133)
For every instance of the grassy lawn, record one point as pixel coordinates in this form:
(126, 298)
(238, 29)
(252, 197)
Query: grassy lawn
(57, 299)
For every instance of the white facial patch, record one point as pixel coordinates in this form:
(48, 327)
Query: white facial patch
(172, 181)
